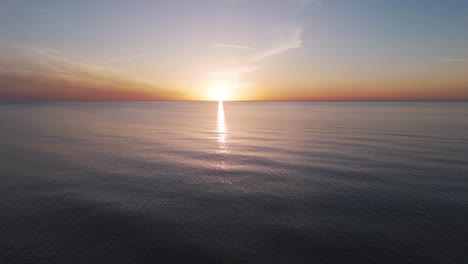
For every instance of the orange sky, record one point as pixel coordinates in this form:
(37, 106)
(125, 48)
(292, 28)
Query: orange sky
(250, 50)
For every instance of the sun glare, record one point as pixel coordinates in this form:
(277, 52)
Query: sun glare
(220, 93)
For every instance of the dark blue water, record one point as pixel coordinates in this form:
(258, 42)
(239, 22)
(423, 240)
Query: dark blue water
(333, 182)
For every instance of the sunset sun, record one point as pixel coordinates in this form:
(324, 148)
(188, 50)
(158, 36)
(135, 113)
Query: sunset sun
(220, 93)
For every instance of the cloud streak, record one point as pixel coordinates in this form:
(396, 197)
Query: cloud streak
(231, 46)
(234, 74)
(46, 74)
(294, 42)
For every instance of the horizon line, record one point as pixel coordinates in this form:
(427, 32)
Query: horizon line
(240, 101)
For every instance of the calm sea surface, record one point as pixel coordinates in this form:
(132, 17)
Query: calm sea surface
(284, 182)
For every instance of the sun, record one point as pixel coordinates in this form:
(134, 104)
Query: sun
(220, 93)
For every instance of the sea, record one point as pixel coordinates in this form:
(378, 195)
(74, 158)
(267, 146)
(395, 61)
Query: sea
(234, 182)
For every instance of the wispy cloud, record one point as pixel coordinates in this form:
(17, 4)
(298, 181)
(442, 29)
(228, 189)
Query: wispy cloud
(293, 42)
(235, 73)
(453, 60)
(56, 62)
(231, 46)
(46, 73)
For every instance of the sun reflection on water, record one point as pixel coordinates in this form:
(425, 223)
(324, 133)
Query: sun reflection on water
(221, 130)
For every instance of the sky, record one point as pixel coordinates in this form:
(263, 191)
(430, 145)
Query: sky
(248, 49)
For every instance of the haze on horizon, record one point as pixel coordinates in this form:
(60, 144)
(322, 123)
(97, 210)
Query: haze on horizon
(254, 49)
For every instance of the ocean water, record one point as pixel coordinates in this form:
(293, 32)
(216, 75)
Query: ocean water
(276, 182)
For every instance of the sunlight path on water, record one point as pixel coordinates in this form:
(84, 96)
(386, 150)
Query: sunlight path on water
(221, 130)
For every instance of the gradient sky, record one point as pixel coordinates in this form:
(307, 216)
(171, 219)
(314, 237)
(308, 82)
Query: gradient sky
(258, 49)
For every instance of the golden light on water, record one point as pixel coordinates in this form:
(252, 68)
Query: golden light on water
(221, 129)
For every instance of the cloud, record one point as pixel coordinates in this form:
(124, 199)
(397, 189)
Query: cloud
(294, 42)
(231, 46)
(235, 73)
(46, 74)
(54, 60)
(41, 87)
